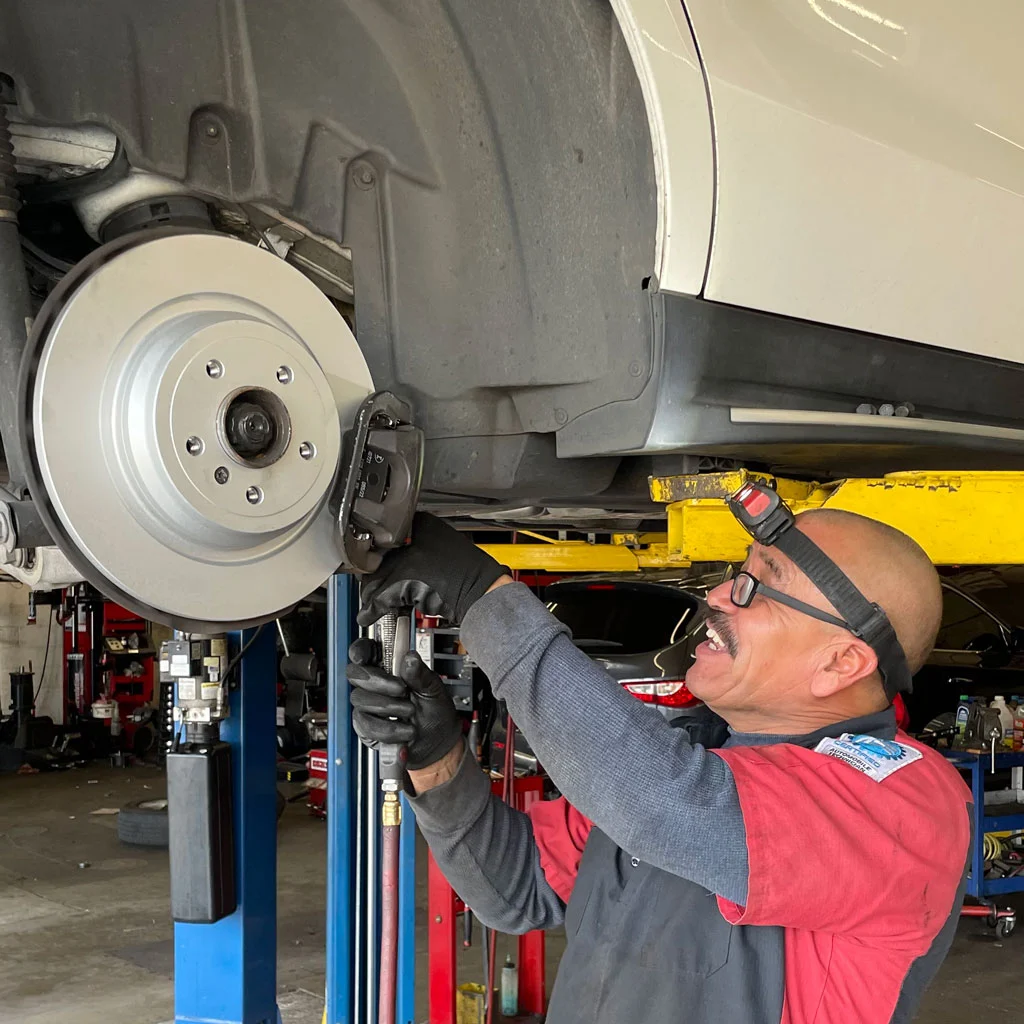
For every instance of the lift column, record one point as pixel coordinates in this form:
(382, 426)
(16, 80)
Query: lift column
(227, 971)
(353, 847)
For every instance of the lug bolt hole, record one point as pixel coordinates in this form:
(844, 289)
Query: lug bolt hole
(284, 375)
(194, 445)
(221, 474)
(307, 450)
(215, 369)
(254, 495)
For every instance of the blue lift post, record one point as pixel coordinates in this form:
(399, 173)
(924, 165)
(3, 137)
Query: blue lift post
(406, 1000)
(347, 936)
(341, 806)
(227, 972)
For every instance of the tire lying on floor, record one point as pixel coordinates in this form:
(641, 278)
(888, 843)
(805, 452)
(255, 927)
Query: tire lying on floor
(144, 822)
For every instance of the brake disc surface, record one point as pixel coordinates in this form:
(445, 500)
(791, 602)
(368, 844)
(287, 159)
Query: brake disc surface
(187, 396)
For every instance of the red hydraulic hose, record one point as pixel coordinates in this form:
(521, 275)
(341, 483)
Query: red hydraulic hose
(388, 924)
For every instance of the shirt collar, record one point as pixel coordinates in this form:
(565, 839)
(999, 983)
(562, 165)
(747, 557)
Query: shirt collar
(881, 724)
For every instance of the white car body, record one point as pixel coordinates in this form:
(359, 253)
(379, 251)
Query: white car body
(852, 164)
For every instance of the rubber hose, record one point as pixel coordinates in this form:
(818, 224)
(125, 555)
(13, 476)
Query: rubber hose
(387, 631)
(388, 924)
(15, 307)
(992, 845)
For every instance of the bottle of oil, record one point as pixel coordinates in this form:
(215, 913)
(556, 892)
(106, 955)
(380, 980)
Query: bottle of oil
(1018, 726)
(509, 988)
(962, 712)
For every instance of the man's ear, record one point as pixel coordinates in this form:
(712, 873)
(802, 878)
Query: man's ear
(844, 662)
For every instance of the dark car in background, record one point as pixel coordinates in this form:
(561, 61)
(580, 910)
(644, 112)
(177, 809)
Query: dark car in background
(979, 650)
(642, 630)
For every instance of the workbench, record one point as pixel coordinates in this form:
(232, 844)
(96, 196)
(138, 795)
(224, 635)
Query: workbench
(976, 765)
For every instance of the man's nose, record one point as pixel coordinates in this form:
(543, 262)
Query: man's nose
(719, 598)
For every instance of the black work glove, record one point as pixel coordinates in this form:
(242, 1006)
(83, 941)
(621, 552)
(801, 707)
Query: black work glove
(427, 722)
(442, 572)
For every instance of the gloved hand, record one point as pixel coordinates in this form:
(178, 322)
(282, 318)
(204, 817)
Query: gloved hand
(442, 572)
(427, 722)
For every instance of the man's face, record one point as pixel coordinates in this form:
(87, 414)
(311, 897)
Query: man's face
(761, 658)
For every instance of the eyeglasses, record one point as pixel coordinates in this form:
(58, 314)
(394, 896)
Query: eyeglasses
(745, 585)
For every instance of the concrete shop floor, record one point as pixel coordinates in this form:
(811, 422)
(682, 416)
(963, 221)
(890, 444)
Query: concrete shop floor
(92, 945)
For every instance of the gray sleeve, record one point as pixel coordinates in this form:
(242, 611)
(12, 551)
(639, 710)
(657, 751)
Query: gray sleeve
(671, 803)
(487, 852)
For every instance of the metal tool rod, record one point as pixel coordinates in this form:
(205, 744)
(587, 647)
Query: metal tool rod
(280, 633)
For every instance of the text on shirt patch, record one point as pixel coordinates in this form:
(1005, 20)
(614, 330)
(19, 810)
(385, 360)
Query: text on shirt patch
(876, 758)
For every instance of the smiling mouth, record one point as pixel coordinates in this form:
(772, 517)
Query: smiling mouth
(715, 641)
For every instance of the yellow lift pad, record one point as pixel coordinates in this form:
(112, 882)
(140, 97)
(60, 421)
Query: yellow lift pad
(968, 518)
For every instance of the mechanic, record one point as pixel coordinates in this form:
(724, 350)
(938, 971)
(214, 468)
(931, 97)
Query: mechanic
(811, 869)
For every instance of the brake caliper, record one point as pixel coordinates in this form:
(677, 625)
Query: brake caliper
(384, 455)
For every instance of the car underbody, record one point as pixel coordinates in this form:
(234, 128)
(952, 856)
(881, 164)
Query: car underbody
(473, 190)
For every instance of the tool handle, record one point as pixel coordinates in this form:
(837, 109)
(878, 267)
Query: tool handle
(396, 640)
(392, 758)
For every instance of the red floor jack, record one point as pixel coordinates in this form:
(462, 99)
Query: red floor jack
(1004, 920)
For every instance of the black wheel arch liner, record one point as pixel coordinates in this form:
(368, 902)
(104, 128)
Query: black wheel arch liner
(488, 164)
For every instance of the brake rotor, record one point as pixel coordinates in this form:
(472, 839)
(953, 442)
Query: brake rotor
(187, 395)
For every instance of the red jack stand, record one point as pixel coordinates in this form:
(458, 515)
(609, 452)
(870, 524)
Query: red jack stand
(443, 910)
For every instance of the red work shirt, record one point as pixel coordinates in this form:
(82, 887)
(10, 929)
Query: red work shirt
(861, 874)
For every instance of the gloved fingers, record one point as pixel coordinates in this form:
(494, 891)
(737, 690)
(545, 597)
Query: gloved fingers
(385, 591)
(378, 704)
(368, 612)
(438, 537)
(373, 730)
(375, 680)
(362, 651)
(417, 676)
(380, 596)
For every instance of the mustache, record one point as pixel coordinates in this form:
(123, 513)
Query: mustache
(723, 627)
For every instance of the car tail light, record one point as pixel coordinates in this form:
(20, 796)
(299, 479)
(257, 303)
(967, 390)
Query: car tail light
(666, 693)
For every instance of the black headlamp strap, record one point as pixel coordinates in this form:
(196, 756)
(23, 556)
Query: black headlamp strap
(851, 604)
(771, 523)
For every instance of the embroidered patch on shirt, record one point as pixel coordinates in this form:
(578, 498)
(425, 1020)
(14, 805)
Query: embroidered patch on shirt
(876, 758)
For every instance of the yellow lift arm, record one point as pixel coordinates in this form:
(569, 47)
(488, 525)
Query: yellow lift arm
(970, 518)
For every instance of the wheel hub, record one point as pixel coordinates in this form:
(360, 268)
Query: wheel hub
(188, 399)
(257, 427)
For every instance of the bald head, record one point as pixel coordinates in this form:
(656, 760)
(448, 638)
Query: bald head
(888, 568)
(770, 666)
